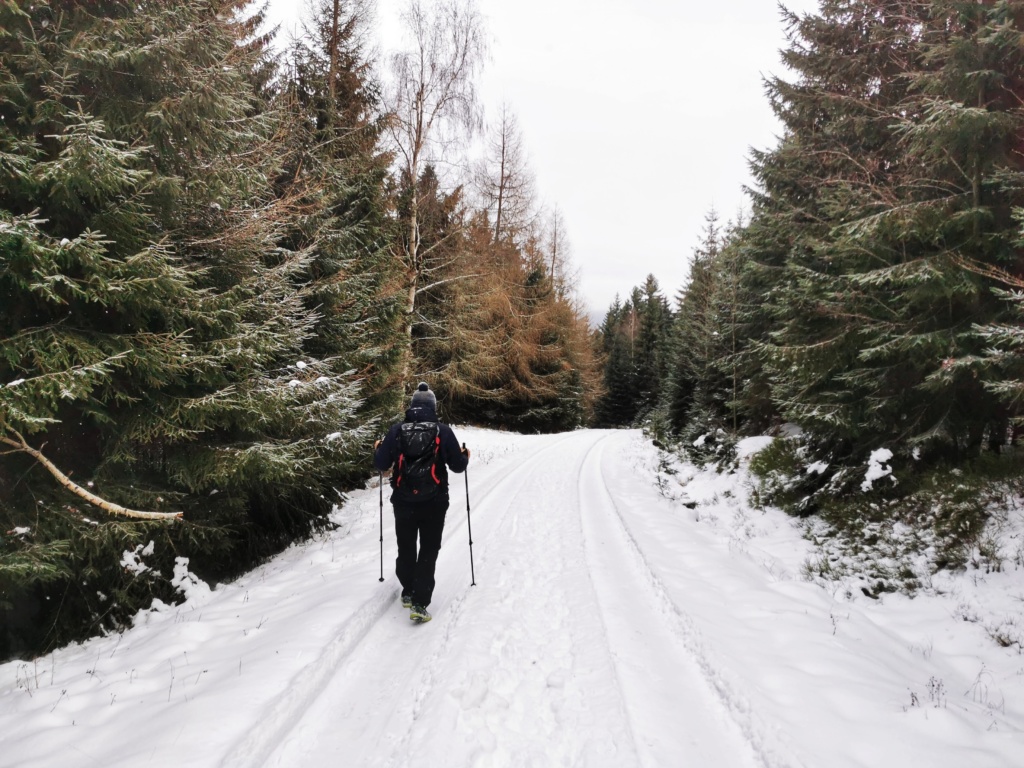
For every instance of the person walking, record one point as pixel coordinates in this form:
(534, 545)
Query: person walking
(422, 450)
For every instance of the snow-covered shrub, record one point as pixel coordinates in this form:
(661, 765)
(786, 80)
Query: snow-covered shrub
(656, 427)
(883, 523)
(783, 476)
(944, 519)
(705, 441)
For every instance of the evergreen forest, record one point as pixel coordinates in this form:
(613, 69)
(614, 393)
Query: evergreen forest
(868, 307)
(225, 262)
(226, 259)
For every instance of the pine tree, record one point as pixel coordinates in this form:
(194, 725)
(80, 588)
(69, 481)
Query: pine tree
(154, 332)
(896, 170)
(620, 402)
(336, 176)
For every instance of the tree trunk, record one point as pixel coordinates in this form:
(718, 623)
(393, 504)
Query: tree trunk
(333, 72)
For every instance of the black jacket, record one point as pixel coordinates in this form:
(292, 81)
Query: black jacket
(452, 456)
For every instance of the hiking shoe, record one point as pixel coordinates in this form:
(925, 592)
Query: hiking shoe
(419, 614)
(406, 601)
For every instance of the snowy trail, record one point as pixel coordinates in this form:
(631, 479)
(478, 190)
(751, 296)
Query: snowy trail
(610, 627)
(548, 661)
(642, 625)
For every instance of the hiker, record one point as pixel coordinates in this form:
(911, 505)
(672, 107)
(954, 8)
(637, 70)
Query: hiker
(421, 450)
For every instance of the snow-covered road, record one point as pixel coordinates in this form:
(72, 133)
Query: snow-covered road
(561, 655)
(609, 627)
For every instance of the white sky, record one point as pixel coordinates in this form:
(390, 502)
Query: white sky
(637, 116)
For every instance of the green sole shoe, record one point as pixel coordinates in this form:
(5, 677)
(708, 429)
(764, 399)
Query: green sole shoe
(419, 614)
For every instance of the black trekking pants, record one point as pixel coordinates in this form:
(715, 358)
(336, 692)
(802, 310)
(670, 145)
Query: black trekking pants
(416, 571)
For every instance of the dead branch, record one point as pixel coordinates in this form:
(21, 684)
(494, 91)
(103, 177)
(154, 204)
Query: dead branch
(64, 480)
(989, 271)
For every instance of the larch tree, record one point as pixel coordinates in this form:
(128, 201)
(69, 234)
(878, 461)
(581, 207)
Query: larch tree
(504, 179)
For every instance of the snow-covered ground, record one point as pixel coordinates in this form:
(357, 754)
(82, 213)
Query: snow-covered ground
(610, 626)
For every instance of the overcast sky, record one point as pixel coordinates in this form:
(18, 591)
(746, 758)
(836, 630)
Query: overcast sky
(638, 117)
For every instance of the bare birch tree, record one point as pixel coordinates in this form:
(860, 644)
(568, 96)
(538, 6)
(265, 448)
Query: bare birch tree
(433, 104)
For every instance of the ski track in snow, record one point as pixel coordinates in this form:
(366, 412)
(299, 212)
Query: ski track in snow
(534, 666)
(478, 675)
(284, 716)
(668, 634)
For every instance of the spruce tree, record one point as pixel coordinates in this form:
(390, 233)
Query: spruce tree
(694, 338)
(838, 149)
(619, 402)
(652, 363)
(155, 329)
(336, 175)
(966, 147)
(703, 398)
(890, 195)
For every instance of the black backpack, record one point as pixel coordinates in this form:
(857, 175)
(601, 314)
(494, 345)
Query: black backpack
(416, 472)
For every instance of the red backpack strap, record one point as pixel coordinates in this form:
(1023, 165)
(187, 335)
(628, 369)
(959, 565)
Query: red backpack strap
(437, 450)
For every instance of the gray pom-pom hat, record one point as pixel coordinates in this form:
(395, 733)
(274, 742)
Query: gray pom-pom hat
(423, 397)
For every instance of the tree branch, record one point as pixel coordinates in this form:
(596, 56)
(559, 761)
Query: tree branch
(64, 480)
(443, 282)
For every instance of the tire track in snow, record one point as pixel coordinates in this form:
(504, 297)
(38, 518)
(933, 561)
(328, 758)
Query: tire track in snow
(629, 646)
(671, 624)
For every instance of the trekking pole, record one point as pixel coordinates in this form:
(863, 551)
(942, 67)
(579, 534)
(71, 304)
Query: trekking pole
(469, 524)
(381, 526)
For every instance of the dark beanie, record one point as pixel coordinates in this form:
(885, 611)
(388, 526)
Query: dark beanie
(423, 397)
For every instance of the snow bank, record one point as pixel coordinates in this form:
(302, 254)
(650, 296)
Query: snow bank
(936, 680)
